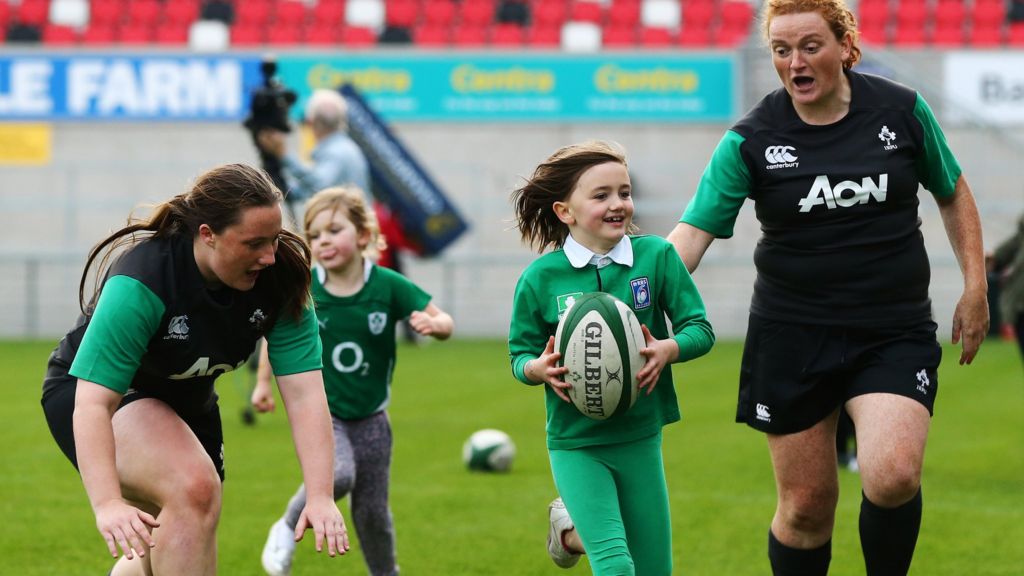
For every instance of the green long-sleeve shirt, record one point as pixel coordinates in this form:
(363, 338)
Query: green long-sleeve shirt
(656, 285)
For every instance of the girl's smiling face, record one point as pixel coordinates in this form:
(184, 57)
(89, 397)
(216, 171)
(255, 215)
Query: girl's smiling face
(599, 210)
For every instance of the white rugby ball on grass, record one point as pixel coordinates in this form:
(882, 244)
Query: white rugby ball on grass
(600, 340)
(489, 450)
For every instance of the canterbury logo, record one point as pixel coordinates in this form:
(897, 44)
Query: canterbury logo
(763, 413)
(779, 154)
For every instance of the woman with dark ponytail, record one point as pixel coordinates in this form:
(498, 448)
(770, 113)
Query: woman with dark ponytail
(178, 299)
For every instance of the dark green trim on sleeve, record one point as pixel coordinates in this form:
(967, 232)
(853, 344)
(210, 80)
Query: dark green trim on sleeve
(126, 317)
(294, 346)
(937, 168)
(723, 187)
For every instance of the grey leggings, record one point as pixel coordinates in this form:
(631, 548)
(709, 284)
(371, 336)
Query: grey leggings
(362, 466)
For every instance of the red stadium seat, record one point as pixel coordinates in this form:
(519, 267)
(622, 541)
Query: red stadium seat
(586, 11)
(106, 12)
(544, 36)
(736, 15)
(429, 35)
(171, 34)
(356, 36)
(252, 13)
(949, 14)
(624, 13)
(912, 14)
(5, 14)
(55, 35)
(948, 35)
(619, 36)
(401, 13)
(873, 15)
(698, 14)
(284, 35)
(34, 12)
(695, 36)
(986, 37)
(329, 12)
(439, 12)
(242, 35)
(910, 36)
(290, 13)
(507, 35)
(467, 35)
(988, 14)
(728, 37)
(1015, 34)
(476, 13)
(875, 34)
(144, 12)
(656, 37)
(321, 34)
(549, 13)
(136, 35)
(180, 12)
(98, 34)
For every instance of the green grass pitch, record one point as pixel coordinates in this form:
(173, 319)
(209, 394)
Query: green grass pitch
(453, 522)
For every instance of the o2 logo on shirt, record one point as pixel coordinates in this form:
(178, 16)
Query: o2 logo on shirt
(353, 363)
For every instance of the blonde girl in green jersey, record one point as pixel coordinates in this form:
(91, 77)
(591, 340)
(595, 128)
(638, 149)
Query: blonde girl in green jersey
(614, 499)
(357, 305)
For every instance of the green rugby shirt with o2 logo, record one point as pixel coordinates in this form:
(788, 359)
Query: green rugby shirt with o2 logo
(358, 335)
(656, 285)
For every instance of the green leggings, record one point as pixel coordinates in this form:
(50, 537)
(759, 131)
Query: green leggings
(617, 498)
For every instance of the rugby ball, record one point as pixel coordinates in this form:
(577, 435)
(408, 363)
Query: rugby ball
(600, 340)
(488, 450)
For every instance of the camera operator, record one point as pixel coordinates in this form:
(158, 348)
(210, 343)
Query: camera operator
(337, 159)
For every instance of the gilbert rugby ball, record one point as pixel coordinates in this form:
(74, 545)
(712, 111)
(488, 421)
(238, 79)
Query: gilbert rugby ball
(600, 340)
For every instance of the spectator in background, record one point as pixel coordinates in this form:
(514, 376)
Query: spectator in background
(1008, 263)
(337, 159)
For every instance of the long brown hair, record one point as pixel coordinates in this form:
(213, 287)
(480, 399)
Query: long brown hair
(553, 181)
(217, 199)
(835, 12)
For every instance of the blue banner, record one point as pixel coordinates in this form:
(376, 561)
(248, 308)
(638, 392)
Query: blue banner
(400, 86)
(427, 218)
(528, 87)
(126, 87)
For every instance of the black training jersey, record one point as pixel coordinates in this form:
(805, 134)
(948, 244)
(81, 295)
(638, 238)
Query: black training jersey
(157, 327)
(841, 240)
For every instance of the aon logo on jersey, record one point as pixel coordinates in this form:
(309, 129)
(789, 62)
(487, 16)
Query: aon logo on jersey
(202, 367)
(845, 194)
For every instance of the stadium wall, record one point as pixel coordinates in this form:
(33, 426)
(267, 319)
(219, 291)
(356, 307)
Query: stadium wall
(98, 172)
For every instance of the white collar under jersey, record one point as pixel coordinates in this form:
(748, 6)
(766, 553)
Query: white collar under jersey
(321, 272)
(579, 255)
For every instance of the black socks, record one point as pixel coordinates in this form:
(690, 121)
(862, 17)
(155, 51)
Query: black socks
(788, 561)
(888, 536)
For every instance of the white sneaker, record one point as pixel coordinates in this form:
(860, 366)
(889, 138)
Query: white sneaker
(559, 523)
(277, 552)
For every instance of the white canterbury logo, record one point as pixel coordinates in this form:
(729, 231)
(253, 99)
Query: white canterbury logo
(822, 192)
(779, 157)
(763, 413)
(779, 154)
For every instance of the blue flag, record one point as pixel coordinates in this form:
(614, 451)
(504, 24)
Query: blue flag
(427, 218)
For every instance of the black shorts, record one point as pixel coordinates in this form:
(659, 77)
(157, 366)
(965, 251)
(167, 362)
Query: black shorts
(794, 375)
(59, 406)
